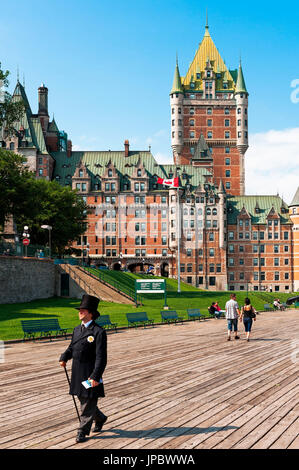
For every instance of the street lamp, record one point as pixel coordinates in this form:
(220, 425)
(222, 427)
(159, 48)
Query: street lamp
(26, 235)
(48, 227)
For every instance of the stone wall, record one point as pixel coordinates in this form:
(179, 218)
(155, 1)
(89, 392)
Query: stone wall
(26, 279)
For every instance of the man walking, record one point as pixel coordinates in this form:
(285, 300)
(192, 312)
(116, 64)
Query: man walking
(88, 350)
(232, 314)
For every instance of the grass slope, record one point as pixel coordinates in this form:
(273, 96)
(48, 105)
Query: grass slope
(63, 309)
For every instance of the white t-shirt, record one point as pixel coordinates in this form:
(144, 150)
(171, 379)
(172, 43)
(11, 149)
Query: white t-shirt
(231, 309)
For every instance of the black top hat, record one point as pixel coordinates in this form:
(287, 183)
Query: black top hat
(90, 303)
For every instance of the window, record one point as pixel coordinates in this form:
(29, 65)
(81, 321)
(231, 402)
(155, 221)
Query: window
(110, 173)
(276, 261)
(227, 134)
(209, 111)
(255, 261)
(192, 135)
(192, 111)
(210, 122)
(227, 173)
(210, 135)
(227, 185)
(285, 235)
(83, 186)
(227, 122)
(276, 249)
(227, 149)
(227, 161)
(226, 111)
(211, 268)
(189, 252)
(191, 122)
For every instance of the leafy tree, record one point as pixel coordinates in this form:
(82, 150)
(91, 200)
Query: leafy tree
(10, 111)
(49, 203)
(14, 180)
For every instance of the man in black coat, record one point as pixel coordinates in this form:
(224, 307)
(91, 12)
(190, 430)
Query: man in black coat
(88, 350)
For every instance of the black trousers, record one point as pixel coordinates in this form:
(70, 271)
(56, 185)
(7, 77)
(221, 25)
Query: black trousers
(89, 413)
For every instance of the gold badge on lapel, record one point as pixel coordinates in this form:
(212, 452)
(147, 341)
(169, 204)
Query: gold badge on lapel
(90, 339)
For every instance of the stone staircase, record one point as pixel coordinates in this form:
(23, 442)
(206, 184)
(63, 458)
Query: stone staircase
(93, 286)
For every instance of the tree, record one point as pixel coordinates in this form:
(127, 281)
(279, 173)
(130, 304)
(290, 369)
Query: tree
(10, 111)
(14, 181)
(49, 203)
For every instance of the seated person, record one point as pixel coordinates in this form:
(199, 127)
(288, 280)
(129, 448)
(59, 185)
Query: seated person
(278, 305)
(215, 309)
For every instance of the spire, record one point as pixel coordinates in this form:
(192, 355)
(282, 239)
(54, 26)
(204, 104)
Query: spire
(240, 85)
(207, 25)
(177, 84)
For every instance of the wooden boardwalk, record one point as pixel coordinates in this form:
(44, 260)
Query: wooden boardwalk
(168, 387)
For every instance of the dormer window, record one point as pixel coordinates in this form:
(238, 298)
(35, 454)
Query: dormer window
(138, 172)
(208, 73)
(80, 173)
(110, 173)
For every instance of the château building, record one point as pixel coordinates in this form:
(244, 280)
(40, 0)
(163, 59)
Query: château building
(226, 239)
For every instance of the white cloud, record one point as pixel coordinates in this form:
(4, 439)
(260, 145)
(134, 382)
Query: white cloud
(272, 163)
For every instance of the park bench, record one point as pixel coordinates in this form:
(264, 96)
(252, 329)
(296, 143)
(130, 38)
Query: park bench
(194, 313)
(45, 327)
(105, 322)
(170, 316)
(296, 304)
(218, 315)
(268, 308)
(139, 318)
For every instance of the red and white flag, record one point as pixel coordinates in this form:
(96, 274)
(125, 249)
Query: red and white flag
(173, 182)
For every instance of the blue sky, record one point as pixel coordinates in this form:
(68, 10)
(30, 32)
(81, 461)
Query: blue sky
(109, 69)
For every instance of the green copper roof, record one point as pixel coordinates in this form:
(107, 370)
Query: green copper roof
(53, 126)
(240, 85)
(295, 201)
(264, 205)
(96, 163)
(177, 84)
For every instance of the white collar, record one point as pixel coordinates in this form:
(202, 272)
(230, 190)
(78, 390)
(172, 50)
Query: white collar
(87, 324)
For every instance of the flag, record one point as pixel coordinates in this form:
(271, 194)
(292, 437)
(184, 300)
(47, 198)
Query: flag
(173, 182)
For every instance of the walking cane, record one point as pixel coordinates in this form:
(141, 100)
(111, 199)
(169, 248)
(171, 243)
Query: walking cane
(67, 376)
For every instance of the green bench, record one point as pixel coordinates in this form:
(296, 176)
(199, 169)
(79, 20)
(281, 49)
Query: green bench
(268, 308)
(45, 327)
(296, 304)
(194, 313)
(105, 322)
(170, 316)
(139, 318)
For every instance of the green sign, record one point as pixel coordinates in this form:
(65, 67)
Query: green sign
(149, 286)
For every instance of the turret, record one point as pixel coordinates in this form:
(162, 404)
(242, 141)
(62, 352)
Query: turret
(241, 96)
(176, 105)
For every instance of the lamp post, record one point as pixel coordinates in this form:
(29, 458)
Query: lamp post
(26, 236)
(48, 227)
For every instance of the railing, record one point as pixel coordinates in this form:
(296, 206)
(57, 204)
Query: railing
(118, 286)
(83, 284)
(18, 249)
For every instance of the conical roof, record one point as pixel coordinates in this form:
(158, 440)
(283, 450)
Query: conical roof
(177, 84)
(240, 85)
(295, 201)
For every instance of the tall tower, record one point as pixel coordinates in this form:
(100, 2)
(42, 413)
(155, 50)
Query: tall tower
(209, 107)
(176, 106)
(294, 215)
(241, 96)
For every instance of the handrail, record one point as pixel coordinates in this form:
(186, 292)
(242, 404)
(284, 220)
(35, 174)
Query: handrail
(86, 287)
(114, 284)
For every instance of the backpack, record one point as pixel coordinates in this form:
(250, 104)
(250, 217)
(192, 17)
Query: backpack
(249, 313)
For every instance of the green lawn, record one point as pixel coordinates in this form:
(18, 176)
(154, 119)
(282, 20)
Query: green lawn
(63, 309)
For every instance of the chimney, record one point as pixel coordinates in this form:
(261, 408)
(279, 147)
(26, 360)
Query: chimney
(127, 145)
(43, 100)
(69, 148)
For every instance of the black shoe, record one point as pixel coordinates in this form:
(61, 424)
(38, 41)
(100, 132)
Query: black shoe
(98, 426)
(237, 337)
(80, 437)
